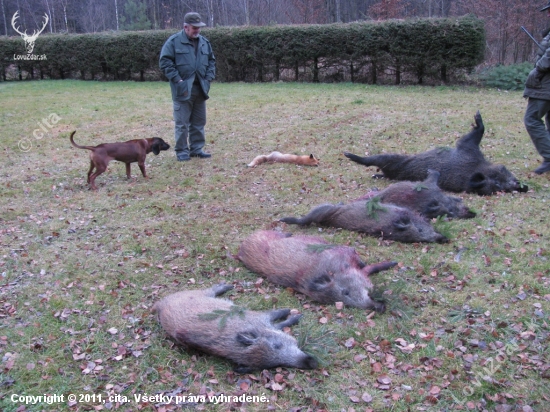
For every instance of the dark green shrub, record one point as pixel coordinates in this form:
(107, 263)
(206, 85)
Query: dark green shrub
(510, 77)
(395, 51)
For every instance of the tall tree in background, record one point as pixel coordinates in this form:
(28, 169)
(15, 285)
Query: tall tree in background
(64, 4)
(135, 16)
(433, 8)
(116, 15)
(51, 15)
(506, 43)
(333, 8)
(387, 9)
(4, 17)
(95, 16)
(246, 10)
(307, 12)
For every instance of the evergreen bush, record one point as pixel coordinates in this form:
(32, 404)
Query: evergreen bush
(510, 77)
(395, 51)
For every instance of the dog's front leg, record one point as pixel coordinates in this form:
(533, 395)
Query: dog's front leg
(128, 174)
(141, 164)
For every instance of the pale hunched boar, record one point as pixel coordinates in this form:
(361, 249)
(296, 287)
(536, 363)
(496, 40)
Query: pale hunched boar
(310, 265)
(424, 197)
(462, 169)
(253, 340)
(373, 218)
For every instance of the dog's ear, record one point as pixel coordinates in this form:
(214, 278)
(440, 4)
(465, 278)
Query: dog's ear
(155, 147)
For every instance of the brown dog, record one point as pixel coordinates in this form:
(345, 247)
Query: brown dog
(127, 152)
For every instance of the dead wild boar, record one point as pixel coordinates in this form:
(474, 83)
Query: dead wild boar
(462, 169)
(425, 197)
(253, 340)
(373, 218)
(308, 264)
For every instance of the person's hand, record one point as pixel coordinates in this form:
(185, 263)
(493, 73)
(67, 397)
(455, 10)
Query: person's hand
(534, 80)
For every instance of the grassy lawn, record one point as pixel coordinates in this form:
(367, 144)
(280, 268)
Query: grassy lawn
(467, 322)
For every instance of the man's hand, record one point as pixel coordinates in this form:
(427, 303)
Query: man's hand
(534, 80)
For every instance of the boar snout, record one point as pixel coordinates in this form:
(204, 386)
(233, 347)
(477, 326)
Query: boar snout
(309, 362)
(379, 306)
(468, 214)
(520, 187)
(441, 239)
(523, 189)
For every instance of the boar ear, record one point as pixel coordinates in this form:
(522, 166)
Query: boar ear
(403, 223)
(247, 338)
(320, 282)
(432, 207)
(477, 181)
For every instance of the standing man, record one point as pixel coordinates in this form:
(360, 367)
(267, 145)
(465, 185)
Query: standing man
(537, 89)
(188, 62)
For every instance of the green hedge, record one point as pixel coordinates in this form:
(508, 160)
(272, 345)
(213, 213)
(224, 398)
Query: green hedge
(510, 77)
(392, 51)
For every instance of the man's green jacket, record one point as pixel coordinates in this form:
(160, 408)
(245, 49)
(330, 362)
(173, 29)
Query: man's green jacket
(179, 62)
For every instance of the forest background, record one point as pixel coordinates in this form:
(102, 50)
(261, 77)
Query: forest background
(506, 42)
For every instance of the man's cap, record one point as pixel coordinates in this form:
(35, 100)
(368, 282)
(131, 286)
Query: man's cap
(546, 7)
(194, 19)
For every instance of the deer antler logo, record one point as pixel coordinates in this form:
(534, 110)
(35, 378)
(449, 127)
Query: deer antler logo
(29, 40)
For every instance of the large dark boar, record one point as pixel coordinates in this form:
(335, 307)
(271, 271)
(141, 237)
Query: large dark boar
(373, 218)
(250, 339)
(310, 265)
(425, 197)
(462, 169)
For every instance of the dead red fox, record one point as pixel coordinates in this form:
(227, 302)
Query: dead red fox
(278, 157)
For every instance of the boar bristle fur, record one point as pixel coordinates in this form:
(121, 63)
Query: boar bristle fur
(426, 198)
(252, 339)
(462, 169)
(373, 218)
(308, 264)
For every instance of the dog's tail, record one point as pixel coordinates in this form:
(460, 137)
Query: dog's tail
(78, 146)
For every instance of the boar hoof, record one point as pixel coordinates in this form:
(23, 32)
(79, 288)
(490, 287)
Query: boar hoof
(292, 320)
(221, 288)
(242, 369)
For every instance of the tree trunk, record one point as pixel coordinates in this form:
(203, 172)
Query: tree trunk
(50, 15)
(4, 16)
(315, 70)
(65, 17)
(116, 14)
